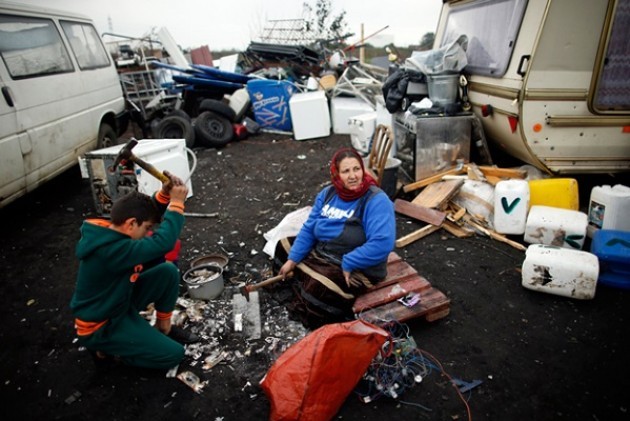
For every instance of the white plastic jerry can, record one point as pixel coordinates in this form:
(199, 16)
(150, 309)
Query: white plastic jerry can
(560, 271)
(511, 203)
(555, 227)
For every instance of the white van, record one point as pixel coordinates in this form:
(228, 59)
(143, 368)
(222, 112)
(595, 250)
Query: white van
(550, 79)
(61, 95)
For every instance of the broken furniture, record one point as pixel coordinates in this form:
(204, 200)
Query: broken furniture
(376, 161)
(403, 295)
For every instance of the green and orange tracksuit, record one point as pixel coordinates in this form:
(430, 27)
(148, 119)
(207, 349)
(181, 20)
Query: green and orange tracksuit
(113, 286)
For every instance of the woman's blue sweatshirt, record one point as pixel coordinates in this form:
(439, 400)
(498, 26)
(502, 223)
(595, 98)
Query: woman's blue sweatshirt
(326, 222)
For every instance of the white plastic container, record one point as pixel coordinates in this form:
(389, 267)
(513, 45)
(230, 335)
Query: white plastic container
(309, 115)
(560, 271)
(240, 102)
(362, 130)
(555, 227)
(609, 208)
(341, 109)
(511, 203)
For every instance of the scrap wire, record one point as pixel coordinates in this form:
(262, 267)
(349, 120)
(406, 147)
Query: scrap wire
(400, 367)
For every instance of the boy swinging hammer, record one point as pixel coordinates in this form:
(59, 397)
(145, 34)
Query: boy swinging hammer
(121, 271)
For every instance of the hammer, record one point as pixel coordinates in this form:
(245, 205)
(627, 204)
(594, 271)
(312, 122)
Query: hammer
(125, 154)
(246, 289)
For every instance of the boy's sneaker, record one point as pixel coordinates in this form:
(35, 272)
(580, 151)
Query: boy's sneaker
(182, 336)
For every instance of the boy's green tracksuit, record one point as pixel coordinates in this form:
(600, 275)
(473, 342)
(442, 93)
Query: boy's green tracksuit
(113, 286)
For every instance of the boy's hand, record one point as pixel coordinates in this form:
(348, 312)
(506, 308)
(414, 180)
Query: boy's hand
(179, 192)
(173, 180)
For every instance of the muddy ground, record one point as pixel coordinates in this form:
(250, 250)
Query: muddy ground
(538, 356)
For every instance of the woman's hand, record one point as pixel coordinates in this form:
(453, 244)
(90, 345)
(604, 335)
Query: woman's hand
(350, 281)
(287, 268)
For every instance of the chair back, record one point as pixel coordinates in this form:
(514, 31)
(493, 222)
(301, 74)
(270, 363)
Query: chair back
(381, 145)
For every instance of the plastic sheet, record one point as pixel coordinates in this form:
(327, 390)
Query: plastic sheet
(312, 379)
(450, 58)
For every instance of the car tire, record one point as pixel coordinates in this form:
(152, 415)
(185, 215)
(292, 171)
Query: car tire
(217, 107)
(213, 130)
(176, 127)
(180, 113)
(106, 136)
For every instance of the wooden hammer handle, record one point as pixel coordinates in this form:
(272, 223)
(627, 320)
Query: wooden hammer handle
(266, 282)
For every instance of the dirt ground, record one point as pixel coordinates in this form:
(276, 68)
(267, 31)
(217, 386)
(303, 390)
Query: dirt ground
(538, 356)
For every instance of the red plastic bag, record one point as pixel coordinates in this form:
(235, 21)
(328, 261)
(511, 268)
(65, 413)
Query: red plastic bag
(312, 379)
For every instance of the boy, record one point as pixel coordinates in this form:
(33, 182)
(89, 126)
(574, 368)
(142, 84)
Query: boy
(114, 282)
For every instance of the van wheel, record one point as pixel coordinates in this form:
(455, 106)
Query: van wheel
(176, 127)
(213, 130)
(106, 137)
(217, 107)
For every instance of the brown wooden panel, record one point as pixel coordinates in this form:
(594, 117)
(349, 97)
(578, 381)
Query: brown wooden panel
(422, 213)
(433, 305)
(380, 296)
(436, 195)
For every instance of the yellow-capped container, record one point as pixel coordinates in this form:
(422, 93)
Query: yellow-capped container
(555, 192)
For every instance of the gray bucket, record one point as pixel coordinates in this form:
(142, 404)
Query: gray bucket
(390, 176)
(204, 282)
(443, 88)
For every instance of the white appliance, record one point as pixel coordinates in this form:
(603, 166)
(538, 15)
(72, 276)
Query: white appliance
(110, 183)
(309, 115)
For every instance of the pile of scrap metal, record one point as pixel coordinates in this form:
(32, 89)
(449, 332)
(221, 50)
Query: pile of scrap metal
(301, 59)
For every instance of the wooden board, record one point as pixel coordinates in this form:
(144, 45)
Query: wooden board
(433, 305)
(416, 235)
(437, 195)
(390, 293)
(422, 213)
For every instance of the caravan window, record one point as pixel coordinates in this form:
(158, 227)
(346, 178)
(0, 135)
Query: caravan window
(613, 90)
(491, 27)
(32, 47)
(86, 45)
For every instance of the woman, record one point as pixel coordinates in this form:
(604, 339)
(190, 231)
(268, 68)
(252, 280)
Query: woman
(350, 231)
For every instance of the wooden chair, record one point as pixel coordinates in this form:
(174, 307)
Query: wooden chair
(382, 142)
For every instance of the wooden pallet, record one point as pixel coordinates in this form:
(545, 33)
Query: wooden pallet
(381, 302)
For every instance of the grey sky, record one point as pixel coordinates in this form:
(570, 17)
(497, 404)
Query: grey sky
(234, 23)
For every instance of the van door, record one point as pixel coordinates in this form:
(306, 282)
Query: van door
(43, 79)
(11, 162)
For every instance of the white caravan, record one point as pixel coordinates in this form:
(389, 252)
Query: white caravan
(550, 79)
(61, 95)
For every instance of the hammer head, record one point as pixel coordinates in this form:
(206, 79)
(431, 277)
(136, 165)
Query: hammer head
(124, 154)
(244, 290)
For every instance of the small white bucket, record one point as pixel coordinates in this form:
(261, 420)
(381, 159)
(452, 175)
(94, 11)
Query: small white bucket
(204, 282)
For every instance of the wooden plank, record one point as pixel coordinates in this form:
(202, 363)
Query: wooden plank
(393, 257)
(438, 194)
(456, 230)
(416, 235)
(397, 272)
(428, 215)
(433, 305)
(503, 172)
(432, 179)
(494, 235)
(380, 296)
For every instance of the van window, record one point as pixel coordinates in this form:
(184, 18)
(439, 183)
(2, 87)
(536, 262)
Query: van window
(613, 89)
(86, 45)
(32, 47)
(491, 27)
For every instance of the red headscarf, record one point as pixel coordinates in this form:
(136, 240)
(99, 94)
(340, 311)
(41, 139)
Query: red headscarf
(342, 191)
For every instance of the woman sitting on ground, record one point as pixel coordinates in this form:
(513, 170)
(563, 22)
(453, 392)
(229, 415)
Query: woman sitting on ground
(349, 233)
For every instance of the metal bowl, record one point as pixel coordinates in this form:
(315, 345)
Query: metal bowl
(218, 259)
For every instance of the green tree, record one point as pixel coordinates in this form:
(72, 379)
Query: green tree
(322, 23)
(426, 43)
